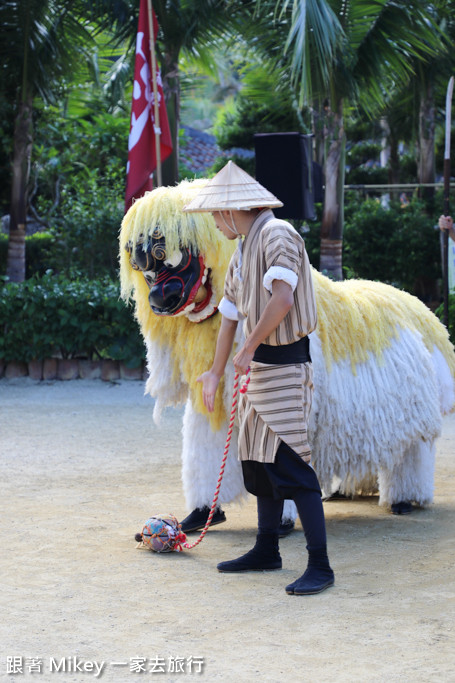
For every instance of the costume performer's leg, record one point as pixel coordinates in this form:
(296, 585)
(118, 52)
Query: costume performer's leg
(290, 477)
(288, 517)
(202, 453)
(409, 480)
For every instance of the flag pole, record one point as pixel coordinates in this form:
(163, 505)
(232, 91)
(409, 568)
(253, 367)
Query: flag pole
(156, 103)
(445, 236)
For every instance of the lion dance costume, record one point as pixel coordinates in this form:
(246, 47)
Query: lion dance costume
(384, 367)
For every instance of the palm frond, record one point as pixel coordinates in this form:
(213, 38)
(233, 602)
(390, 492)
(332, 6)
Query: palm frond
(314, 34)
(44, 39)
(391, 50)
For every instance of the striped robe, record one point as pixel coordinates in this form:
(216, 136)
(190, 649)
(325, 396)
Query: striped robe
(277, 404)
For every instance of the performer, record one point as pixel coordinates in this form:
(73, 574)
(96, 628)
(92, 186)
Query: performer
(269, 287)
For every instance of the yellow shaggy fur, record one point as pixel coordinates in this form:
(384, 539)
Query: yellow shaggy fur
(192, 345)
(359, 317)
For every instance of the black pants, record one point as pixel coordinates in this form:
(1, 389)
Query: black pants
(289, 477)
(281, 479)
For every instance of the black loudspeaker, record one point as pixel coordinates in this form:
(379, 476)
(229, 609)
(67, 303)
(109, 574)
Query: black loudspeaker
(284, 165)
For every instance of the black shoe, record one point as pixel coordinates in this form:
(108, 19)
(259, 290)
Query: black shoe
(402, 508)
(198, 518)
(336, 495)
(318, 575)
(311, 582)
(265, 556)
(250, 563)
(285, 528)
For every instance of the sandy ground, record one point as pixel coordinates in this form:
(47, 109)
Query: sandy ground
(82, 468)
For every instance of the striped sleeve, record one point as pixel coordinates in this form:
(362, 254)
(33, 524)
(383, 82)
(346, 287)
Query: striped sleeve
(229, 284)
(282, 248)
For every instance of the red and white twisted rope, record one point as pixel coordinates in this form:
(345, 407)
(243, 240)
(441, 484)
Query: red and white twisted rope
(235, 392)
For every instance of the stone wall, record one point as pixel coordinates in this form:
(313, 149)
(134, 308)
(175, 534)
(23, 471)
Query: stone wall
(67, 369)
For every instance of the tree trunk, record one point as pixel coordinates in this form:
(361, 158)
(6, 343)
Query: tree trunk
(171, 89)
(318, 120)
(392, 158)
(394, 161)
(23, 140)
(333, 213)
(426, 171)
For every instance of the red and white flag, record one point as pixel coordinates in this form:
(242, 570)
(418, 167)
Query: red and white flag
(143, 129)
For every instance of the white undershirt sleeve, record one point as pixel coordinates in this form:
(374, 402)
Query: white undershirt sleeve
(280, 273)
(228, 309)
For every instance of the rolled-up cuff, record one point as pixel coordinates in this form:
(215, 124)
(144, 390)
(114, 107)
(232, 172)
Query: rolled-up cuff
(228, 309)
(280, 273)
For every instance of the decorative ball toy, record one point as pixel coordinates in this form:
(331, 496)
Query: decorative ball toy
(162, 533)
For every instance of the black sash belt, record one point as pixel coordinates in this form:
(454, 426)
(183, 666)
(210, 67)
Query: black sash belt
(298, 352)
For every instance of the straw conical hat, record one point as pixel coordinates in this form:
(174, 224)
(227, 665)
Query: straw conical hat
(232, 188)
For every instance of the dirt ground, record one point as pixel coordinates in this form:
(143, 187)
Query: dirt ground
(83, 466)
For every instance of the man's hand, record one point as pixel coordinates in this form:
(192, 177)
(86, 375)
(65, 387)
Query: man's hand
(445, 223)
(211, 378)
(209, 381)
(242, 361)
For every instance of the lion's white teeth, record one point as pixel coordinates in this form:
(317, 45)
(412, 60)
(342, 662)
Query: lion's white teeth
(205, 313)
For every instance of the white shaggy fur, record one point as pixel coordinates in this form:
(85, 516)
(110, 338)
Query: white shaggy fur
(202, 453)
(444, 381)
(158, 385)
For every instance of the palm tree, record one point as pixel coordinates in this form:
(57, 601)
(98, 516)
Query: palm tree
(412, 112)
(41, 42)
(428, 76)
(378, 43)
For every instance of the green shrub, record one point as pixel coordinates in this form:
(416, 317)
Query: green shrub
(86, 233)
(397, 245)
(359, 169)
(85, 241)
(362, 175)
(53, 316)
(39, 253)
(3, 252)
(79, 173)
(236, 125)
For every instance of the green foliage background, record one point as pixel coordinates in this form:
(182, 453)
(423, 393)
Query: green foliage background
(52, 316)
